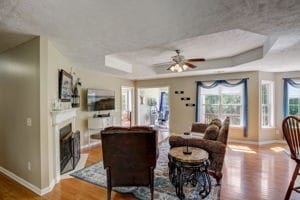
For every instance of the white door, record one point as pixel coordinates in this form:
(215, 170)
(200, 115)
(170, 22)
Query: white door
(127, 106)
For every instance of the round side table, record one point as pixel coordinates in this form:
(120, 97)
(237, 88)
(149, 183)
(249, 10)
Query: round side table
(189, 169)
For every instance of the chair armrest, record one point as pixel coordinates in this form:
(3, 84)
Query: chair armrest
(199, 127)
(210, 146)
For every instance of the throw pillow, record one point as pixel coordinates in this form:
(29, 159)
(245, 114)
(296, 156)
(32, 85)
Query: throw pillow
(216, 122)
(211, 132)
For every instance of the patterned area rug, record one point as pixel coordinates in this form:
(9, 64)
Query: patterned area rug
(80, 165)
(164, 190)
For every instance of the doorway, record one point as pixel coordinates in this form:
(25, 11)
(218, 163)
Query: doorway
(153, 107)
(127, 105)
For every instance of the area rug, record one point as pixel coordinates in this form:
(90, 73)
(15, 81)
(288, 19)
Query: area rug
(163, 189)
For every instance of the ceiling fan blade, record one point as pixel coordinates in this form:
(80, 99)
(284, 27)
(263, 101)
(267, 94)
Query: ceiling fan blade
(196, 60)
(190, 65)
(169, 67)
(163, 64)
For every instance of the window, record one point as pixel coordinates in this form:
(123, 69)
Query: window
(267, 104)
(293, 100)
(222, 101)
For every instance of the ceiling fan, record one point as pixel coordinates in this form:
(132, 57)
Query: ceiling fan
(181, 64)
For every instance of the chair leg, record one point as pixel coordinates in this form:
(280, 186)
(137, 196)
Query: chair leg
(291, 186)
(152, 182)
(108, 183)
(217, 175)
(218, 178)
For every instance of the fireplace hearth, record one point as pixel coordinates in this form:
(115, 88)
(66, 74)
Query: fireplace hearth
(69, 148)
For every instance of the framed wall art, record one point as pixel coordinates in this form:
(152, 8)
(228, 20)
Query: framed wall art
(65, 86)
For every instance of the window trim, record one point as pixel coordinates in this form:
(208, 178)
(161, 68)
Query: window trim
(241, 115)
(272, 104)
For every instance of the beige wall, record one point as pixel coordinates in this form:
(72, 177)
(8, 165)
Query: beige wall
(181, 117)
(1, 142)
(29, 85)
(89, 79)
(98, 80)
(20, 99)
(51, 62)
(46, 141)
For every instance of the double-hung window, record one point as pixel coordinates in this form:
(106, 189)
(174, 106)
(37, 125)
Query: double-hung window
(220, 102)
(267, 104)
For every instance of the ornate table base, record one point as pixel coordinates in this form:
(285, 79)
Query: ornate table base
(182, 173)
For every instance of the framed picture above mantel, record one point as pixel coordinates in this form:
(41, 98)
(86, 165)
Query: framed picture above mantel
(65, 86)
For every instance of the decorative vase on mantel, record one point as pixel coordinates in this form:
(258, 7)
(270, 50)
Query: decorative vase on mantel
(56, 105)
(75, 96)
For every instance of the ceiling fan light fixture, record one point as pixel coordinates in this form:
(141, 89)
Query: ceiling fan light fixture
(176, 68)
(180, 64)
(172, 68)
(185, 67)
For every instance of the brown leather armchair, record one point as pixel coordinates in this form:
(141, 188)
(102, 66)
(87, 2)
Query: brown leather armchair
(129, 156)
(216, 148)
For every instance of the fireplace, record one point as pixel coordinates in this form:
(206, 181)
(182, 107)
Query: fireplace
(59, 120)
(69, 142)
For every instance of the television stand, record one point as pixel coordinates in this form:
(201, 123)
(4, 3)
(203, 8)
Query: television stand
(104, 115)
(97, 124)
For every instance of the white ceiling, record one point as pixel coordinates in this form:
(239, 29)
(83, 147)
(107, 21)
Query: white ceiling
(140, 33)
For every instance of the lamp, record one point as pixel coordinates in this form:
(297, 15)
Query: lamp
(187, 136)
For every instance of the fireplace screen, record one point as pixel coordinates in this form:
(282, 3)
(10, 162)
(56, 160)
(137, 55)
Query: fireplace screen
(69, 148)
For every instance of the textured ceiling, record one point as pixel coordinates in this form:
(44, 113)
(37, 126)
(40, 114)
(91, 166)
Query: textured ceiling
(217, 46)
(87, 31)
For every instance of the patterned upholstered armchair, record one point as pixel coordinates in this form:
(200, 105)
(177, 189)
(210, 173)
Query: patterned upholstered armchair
(214, 142)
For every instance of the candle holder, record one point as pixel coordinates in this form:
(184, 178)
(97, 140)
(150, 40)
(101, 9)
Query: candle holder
(186, 151)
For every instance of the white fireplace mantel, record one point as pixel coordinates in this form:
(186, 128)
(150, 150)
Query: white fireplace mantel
(58, 119)
(61, 116)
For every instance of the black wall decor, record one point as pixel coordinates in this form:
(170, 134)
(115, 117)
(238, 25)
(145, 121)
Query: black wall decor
(65, 86)
(185, 98)
(179, 92)
(190, 105)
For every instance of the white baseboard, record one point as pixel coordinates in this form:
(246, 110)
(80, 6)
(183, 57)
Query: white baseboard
(258, 142)
(26, 184)
(48, 189)
(272, 142)
(243, 141)
(20, 180)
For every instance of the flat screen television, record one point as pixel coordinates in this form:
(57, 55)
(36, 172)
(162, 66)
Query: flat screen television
(98, 99)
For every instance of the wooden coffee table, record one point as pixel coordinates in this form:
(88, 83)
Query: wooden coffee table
(189, 169)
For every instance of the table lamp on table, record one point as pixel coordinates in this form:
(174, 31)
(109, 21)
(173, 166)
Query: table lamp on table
(187, 136)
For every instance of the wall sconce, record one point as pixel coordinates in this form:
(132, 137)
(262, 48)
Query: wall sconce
(75, 95)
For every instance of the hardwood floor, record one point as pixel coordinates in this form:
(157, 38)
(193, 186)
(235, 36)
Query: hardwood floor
(250, 173)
